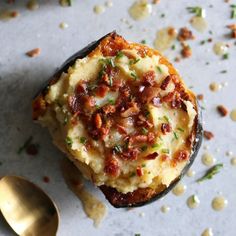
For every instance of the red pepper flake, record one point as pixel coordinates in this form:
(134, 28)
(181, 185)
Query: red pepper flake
(139, 171)
(166, 128)
(34, 52)
(222, 110)
(208, 135)
(151, 156)
(165, 82)
(46, 179)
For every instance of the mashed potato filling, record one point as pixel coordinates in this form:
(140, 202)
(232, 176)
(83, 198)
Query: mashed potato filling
(144, 142)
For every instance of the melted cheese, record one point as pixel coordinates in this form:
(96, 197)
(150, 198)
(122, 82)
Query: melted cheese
(155, 172)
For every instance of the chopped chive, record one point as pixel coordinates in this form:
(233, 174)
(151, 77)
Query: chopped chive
(132, 174)
(119, 54)
(144, 130)
(165, 150)
(202, 42)
(173, 47)
(111, 101)
(146, 113)
(143, 165)
(156, 145)
(134, 75)
(83, 140)
(166, 119)
(176, 135)
(25, 145)
(68, 141)
(69, 2)
(110, 81)
(233, 13)
(223, 71)
(134, 61)
(198, 11)
(143, 41)
(180, 129)
(211, 172)
(159, 69)
(163, 15)
(117, 149)
(144, 148)
(65, 120)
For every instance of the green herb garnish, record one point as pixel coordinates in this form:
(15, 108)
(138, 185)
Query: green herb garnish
(111, 101)
(83, 140)
(65, 120)
(134, 61)
(117, 149)
(156, 145)
(132, 174)
(226, 56)
(25, 145)
(173, 47)
(165, 150)
(144, 148)
(159, 69)
(176, 135)
(166, 119)
(180, 129)
(68, 141)
(223, 71)
(163, 15)
(211, 172)
(198, 11)
(144, 130)
(233, 13)
(134, 75)
(119, 54)
(143, 41)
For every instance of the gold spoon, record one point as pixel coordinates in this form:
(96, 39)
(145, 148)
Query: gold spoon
(27, 208)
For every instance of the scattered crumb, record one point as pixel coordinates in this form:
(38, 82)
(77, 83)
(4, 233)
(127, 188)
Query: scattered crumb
(200, 97)
(185, 34)
(223, 111)
(46, 179)
(208, 135)
(34, 52)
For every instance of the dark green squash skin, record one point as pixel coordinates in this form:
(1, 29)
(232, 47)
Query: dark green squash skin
(111, 193)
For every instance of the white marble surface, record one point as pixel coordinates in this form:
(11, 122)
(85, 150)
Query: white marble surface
(21, 77)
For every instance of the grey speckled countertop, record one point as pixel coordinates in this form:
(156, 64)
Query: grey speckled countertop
(21, 77)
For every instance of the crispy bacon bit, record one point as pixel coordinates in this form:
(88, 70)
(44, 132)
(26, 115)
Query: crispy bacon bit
(130, 154)
(125, 91)
(81, 88)
(89, 102)
(73, 103)
(165, 82)
(139, 171)
(108, 109)
(151, 156)
(117, 83)
(148, 94)
(185, 34)
(172, 31)
(142, 121)
(113, 46)
(34, 53)
(222, 110)
(121, 129)
(186, 51)
(151, 137)
(208, 135)
(165, 128)
(102, 90)
(182, 155)
(138, 139)
(168, 98)
(112, 167)
(149, 78)
(131, 111)
(200, 97)
(164, 157)
(232, 27)
(98, 121)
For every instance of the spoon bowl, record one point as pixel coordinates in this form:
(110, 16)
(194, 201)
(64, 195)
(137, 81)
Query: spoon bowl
(27, 208)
